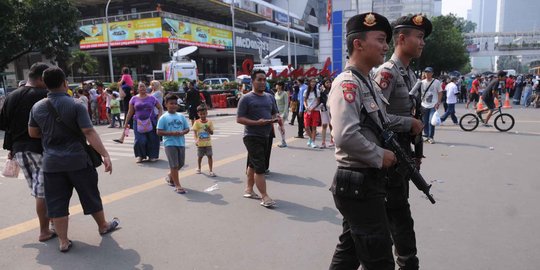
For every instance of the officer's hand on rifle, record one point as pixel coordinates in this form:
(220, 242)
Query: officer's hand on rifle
(389, 159)
(416, 127)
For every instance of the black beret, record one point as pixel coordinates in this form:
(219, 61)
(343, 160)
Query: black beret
(369, 22)
(417, 21)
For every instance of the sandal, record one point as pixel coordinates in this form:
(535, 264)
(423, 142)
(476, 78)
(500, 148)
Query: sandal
(252, 195)
(268, 203)
(66, 249)
(169, 181)
(180, 190)
(51, 236)
(113, 225)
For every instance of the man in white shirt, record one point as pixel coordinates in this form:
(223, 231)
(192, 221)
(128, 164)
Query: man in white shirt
(431, 93)
(451, 100)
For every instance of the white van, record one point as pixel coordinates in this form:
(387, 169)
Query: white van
(211, 81)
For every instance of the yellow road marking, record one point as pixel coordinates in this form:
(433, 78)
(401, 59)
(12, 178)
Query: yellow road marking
(77, 209)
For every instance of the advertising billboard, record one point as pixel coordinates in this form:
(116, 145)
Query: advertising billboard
(123, 33)
(281, 17)
(265, 11)
(197, 35)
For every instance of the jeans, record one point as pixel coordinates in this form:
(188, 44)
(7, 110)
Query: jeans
(527, 92)
(146, 144)
(116, 117)
(429, 129)
(450, 112)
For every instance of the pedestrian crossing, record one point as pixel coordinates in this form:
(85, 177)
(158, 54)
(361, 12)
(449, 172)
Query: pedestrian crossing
(120, 151)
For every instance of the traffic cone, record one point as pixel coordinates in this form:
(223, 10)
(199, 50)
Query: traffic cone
(507, 102)
(480, 105)
(496, 100)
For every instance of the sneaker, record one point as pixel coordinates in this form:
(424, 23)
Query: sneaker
(309, 142)
(323, 145)
(487, 125)
(198, 171)
(313, 145)
(431, 141)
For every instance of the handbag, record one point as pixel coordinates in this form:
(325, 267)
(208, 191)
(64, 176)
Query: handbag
(11, 169)
(144, 126)
(93, 155)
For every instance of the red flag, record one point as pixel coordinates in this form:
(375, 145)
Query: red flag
(329, 14)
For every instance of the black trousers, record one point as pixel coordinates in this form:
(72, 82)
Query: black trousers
(400, 219)
(360, 198)
(300, 116)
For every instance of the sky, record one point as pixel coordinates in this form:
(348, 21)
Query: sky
(458, 7)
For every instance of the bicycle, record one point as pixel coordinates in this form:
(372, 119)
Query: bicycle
(503, 121)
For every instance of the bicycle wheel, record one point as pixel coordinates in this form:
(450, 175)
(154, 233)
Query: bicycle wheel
(468, 122)
(504, 122)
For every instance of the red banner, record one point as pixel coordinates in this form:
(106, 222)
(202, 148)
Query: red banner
(329, 14)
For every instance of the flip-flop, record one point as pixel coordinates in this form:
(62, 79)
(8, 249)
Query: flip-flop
(64, 250)
(53, 235)
(169, 181)
(117, 141)
(252, 195)
(113, 225)
(268, 204)
(180, 191)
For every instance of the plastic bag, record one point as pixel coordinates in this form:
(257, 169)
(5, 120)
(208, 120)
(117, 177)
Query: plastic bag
(11, 169)
(435, 119)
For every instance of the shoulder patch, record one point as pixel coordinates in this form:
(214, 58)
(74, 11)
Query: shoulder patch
(385, 78)
(349, 88)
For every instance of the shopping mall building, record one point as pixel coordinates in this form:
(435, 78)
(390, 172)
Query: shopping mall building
(141, 33)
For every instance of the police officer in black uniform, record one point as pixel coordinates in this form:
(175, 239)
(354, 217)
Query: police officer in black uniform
(357, 109)
(396, 80)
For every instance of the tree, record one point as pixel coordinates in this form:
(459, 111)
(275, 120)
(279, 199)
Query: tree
(445, 47)
(511, 62)
(82, 63)
(45, 26)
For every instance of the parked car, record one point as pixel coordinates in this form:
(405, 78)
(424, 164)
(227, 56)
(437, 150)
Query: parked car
(211, 81)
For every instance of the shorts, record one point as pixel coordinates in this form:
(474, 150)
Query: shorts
(176, 156)
(204, 151)
(256, 148)
(193, 115)
(108, 110)
(312, 119)
(59, 188)
(30, 164)
(474, 97)
(490, 104)
(325, 118)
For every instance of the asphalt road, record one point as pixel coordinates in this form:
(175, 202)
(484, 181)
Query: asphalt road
(486, 216)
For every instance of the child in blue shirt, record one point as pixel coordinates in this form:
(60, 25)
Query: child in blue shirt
(173, 126)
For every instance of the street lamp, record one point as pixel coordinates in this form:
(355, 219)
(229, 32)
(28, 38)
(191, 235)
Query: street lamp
(109, 40)
(288, 34)
(233, 39)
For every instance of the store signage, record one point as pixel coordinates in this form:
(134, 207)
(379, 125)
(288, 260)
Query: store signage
(197, 35)
(247, 68)
(124, 33)
(264, 11)
(251, 42)
(281, 17)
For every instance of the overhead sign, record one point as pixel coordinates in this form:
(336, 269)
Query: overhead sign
(252, 42)
(124, 33)
(197, 35)
(281, 17)
(265, 11)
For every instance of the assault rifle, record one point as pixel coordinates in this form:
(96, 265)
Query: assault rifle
(406, 166)
(417, 101)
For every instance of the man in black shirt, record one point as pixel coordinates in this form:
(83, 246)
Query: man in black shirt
(27, 151)
(490, 93)
(193, 99)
